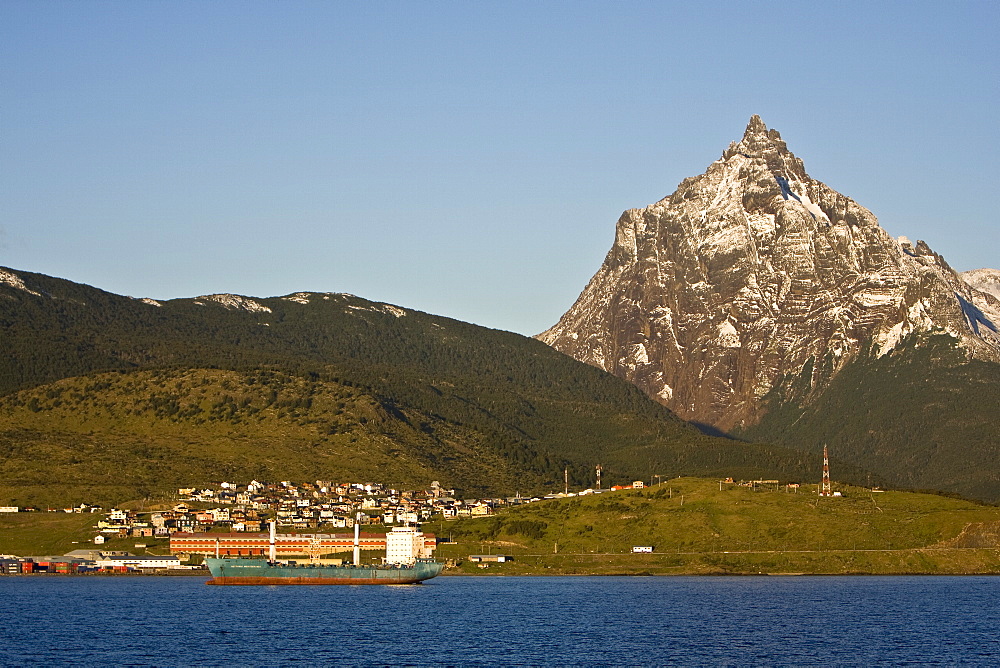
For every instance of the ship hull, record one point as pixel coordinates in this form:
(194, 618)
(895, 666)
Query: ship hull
(261, 572)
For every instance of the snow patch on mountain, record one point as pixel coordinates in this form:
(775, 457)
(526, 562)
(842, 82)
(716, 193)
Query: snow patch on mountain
(298, 298)
(387, 309)
(237, 302)
(393, 310)
(728, 337)
(638, 356)
(984, 280)
(15, 281)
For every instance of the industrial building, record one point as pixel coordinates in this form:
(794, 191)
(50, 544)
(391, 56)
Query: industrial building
(286, 545)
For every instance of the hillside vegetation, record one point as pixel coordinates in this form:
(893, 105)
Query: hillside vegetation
(948, 438)
(696, 527)
(110, 398)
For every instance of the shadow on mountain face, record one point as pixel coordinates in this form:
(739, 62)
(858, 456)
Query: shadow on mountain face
(709, 430)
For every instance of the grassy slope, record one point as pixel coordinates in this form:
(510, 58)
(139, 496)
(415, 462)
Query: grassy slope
(45, 534)
(696, 528)
(111, 437)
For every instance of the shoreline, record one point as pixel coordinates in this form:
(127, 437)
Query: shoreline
(454, 573)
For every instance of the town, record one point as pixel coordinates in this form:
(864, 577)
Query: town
(228, 519)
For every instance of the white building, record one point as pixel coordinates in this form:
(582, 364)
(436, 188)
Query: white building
(404, 545)
(408, 517)
(148, 561)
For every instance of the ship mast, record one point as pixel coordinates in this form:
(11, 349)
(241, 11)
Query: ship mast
(272, 550)
(357, 540)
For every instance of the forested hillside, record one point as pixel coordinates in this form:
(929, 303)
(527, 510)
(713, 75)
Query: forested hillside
(947, 438)
(120, 394)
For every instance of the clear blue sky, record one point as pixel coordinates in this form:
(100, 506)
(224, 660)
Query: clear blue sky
(468, 159)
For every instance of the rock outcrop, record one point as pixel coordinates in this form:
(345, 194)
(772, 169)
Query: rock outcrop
(984, 280)
(754, 273)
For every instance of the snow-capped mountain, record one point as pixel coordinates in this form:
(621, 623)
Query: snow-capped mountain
(752, 273)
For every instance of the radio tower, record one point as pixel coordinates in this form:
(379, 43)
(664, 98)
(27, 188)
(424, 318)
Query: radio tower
(824, 489)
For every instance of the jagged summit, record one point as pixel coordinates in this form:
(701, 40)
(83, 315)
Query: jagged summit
(752, 273)
(757, 140)
(755, 126)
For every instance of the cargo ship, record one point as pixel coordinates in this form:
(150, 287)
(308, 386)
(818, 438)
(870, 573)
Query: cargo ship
(401, 566)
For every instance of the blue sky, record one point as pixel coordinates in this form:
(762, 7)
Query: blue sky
(467, 159)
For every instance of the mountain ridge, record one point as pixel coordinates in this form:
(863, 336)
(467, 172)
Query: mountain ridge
(746, 272)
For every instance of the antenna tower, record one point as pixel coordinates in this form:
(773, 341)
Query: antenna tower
(824, 489)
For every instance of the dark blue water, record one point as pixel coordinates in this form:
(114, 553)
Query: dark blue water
(178, 621)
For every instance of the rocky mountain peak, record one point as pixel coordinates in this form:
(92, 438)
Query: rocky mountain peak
(755, 127)
(752, 273)
(759, 142)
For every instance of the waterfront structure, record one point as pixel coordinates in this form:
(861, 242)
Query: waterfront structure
(286, 545)
(495, 558)
(132, 562)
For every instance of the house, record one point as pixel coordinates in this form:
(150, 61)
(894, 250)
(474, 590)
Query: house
(117, 515)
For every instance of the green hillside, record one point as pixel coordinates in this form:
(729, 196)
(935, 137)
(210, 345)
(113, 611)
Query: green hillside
(694, 526)
(923, 416)
(111, 396)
